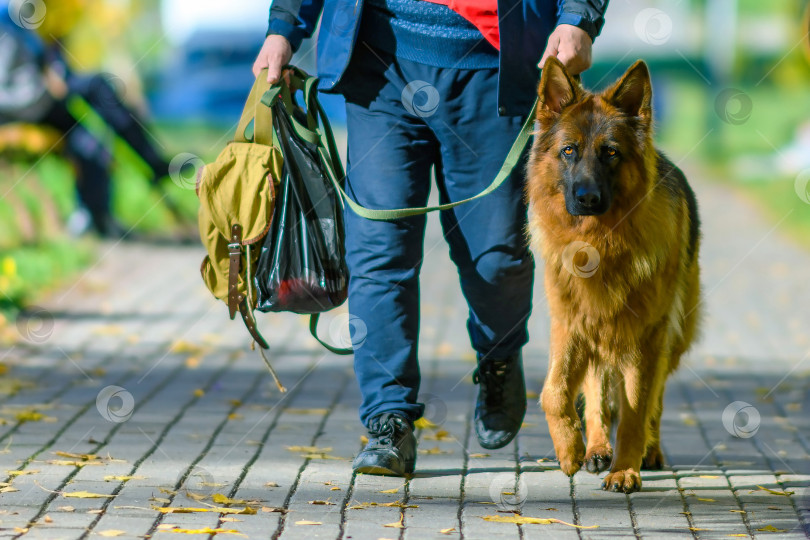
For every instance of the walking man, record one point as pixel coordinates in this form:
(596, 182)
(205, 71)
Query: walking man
(444, 86)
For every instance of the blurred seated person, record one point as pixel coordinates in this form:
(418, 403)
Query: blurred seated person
(36, 85)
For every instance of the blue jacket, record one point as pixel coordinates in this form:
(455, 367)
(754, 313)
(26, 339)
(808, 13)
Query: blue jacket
(524, 27)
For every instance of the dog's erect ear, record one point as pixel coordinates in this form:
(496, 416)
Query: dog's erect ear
(557, 89)
(633, 93)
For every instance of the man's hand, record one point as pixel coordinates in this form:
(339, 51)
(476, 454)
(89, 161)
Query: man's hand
(276, 52)
(571, 46)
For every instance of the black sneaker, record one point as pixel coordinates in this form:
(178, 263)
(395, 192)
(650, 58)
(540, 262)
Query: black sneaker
(501, 403)
(391, 448)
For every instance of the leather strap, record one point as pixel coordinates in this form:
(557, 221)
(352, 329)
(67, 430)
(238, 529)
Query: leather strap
(313, 329)
(250, 323)
(235, 256)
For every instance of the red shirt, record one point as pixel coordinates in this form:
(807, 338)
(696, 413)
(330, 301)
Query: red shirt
(483, 14)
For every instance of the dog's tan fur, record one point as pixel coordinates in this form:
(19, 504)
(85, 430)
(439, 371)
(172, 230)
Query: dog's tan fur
(617, 334)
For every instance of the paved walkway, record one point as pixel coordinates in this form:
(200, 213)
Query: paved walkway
(134, 390)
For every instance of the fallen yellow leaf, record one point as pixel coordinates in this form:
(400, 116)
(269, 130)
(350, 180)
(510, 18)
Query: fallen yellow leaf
(435, 450)
(206, 530)
(390, 490)
(708, 476)
(397, 525)
(479, 456)
(440, 435)
(85, 495)
(306, 411)
(322, 503)
(219, 498)
(270, 484)
(182, 346)
(310, 449)
(66, 509)
(215, 509)
(73, 462)
(771, 528)
(112, 532)
(525, 520)
(774, 492)
(83, 457)
(305, 522)
(110, 478)
(424, 423)
(705, 500)
(448, 530)
(47, 519)
(199, 392)
(21, 473)
(334, 488)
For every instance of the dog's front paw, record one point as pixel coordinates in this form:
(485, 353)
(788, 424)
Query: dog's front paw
(653, 459)
(571, 458)
(626, 481)
(597, 461)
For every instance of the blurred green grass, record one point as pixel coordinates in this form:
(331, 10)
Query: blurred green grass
(693, 130)
(38, 195)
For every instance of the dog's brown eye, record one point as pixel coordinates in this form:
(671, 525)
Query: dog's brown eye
(568, 150)
(611, 152)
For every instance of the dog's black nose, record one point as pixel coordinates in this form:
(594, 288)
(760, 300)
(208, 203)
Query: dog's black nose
(588, 196)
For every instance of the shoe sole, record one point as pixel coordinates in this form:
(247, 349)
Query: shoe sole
(381, 471)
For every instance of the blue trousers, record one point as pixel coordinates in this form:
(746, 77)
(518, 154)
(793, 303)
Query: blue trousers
(405, 119)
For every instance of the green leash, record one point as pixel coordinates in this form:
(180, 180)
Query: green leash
(320, 133)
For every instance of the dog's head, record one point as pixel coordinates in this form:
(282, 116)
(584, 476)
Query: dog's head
(593, 147)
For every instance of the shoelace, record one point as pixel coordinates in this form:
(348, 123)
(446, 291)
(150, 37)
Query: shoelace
(491, 374)
(384, 431)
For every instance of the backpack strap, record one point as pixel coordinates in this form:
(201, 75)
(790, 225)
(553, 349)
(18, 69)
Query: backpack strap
(250, 324)
(255, 112)
(313, 329)
(235, 266)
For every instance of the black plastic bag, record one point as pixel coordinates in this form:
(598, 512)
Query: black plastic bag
(301, 266)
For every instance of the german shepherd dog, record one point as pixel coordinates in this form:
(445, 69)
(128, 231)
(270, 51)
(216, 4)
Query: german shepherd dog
(617, 225)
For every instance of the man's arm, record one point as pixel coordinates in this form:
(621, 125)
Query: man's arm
(589, 15)
(291, 21)
(578, 24)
